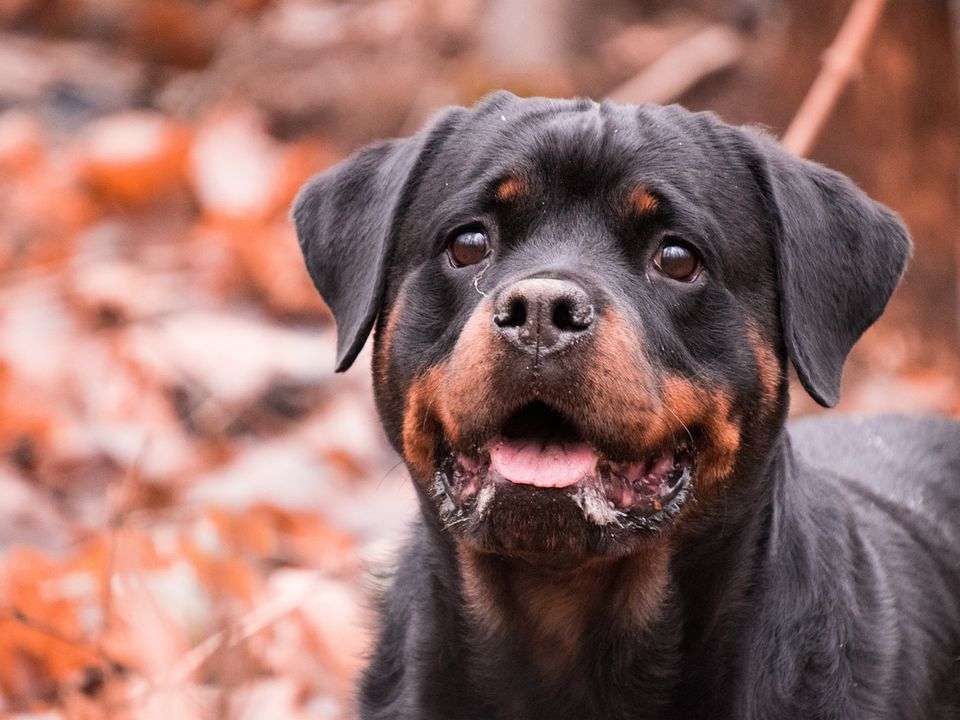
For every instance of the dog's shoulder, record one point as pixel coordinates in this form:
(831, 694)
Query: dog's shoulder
(864, 558)
(894, 483)
(908, 459)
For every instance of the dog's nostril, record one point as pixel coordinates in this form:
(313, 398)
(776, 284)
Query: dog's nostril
(561, 316)
(514, 315)
(571, 316)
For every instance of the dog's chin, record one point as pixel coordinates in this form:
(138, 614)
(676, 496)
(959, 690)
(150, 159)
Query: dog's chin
(537, 488)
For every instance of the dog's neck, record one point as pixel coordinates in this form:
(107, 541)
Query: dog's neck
(549, 612)
(673, 597)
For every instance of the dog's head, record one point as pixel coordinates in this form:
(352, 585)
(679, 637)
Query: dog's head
(584, 311)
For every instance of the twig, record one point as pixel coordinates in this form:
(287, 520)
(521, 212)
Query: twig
(115, 520)
(249, 625)
(840, 62)
(711, 50)
(953, 8)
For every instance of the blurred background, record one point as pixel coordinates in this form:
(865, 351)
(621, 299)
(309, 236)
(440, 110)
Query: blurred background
(191, 501)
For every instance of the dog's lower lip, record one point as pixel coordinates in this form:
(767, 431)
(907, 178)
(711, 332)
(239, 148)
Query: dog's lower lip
(643, 487)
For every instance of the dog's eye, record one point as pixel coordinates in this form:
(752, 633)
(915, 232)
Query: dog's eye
(468, 248)
(677, 260)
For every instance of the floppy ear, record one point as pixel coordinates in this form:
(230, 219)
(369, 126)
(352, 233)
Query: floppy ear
(839, 256)
(346, 220)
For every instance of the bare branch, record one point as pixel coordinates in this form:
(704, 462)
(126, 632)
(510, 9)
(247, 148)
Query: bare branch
(840, 62)
(711, 50)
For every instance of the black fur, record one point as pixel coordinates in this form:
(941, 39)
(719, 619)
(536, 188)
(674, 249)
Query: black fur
(839, 258)
(821, 579)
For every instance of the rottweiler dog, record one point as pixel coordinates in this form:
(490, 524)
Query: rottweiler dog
(584, 316)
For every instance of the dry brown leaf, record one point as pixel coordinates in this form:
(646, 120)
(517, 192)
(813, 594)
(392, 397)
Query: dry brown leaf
(133, 157)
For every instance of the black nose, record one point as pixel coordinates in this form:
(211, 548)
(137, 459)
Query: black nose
(543, 315)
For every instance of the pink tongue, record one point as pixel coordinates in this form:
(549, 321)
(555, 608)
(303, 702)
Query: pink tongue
(528, 462)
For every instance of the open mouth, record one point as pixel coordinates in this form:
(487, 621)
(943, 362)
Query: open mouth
(540, 448)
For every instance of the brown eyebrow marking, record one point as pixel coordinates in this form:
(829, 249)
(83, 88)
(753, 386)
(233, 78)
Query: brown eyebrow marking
(642, 202)
(511, 188)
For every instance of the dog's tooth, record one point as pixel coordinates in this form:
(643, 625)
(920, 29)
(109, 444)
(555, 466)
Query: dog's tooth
(662, 465)
(635, 471)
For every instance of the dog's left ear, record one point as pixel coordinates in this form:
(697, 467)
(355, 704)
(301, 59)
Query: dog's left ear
(839, 255)
(346, 220)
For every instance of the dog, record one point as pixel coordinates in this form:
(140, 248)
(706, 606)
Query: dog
(584, 318)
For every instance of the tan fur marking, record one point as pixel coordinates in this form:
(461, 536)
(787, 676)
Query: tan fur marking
(553, 610)
(512, 188)
(651, 412)
(617, 382)
(469, 381)
(439, 399)
(648, 572)
(381, 359)
(769, 371)
(694, 405)
(556, 612)
(420, 424)
(478, 590)
(642, 202)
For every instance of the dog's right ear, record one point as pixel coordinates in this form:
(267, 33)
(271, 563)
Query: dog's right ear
(346, 220)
